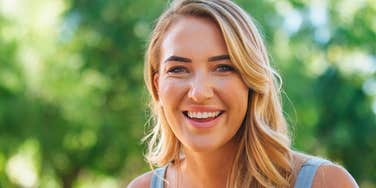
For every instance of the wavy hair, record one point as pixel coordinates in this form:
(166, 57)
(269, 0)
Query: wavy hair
(263, 158)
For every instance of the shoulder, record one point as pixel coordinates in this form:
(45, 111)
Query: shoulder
(328, 173)
(142, 181)
(333, 175)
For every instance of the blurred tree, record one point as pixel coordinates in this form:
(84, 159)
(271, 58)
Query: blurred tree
(73, 104)
(347, 124)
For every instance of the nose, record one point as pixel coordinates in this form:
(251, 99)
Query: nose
(201, 89)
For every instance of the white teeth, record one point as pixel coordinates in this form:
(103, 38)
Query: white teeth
(203, 115)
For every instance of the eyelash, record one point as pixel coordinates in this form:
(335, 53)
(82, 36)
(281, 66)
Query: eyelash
(228, 68)
(176, 70)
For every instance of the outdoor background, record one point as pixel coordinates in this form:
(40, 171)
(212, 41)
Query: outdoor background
(73, 102)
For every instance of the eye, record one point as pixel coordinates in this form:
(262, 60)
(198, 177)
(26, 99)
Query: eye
(177, 70)
(225, 68)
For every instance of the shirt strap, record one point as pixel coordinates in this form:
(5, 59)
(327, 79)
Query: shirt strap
(158, 178)
(307, 172)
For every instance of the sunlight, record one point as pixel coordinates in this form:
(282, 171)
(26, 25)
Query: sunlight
(352, 61)
(347, 9)
(318, 13)
(292, 17)
(36, 35)
(20, 171)
(22, 168)
(369, 87)
(8, 7)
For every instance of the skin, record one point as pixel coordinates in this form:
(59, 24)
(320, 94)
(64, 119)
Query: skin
(195, 75)
(328, 175)
(209, 82)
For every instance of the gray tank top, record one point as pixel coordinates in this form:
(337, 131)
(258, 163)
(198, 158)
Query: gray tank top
(304, 179)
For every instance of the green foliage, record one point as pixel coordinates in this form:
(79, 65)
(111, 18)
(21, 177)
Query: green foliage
(73, 102)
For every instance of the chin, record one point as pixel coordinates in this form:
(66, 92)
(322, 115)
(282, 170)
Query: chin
(200, 146)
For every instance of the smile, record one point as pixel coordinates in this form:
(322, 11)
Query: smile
(203, 119)
(203, 115)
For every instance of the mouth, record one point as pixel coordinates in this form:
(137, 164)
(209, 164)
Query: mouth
(202, 116)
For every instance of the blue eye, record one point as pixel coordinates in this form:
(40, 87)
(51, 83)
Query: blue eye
(177, 69)
(225, 68)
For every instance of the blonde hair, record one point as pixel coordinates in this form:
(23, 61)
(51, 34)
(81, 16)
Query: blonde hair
(263, 158)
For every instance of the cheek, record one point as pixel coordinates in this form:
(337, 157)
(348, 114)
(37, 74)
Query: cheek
(234, 88)
(170, 92)
(236, 93)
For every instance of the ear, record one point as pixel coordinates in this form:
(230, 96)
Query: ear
(156, 85)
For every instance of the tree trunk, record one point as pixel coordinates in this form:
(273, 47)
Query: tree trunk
(69, 179)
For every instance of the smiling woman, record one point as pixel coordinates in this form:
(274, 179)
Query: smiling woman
(192, 89)
(218, 115)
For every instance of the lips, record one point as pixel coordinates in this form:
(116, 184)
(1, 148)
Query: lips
(203, 119)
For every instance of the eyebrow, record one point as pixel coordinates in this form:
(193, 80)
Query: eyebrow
(219, 58)
(187, 60)
(177, 58)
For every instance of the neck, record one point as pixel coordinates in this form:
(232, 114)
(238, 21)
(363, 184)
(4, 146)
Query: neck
(208, 169)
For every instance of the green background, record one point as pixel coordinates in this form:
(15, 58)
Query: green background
(73, 102)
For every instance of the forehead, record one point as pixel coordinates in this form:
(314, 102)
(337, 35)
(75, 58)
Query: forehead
(190, 35)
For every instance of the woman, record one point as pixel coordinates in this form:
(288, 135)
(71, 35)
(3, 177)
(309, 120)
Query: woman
(218, 116)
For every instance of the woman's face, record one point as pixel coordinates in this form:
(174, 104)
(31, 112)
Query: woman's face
(202, 95)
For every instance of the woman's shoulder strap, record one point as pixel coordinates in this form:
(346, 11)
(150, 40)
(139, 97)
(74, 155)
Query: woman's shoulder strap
(158, 177)
(308, 171)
